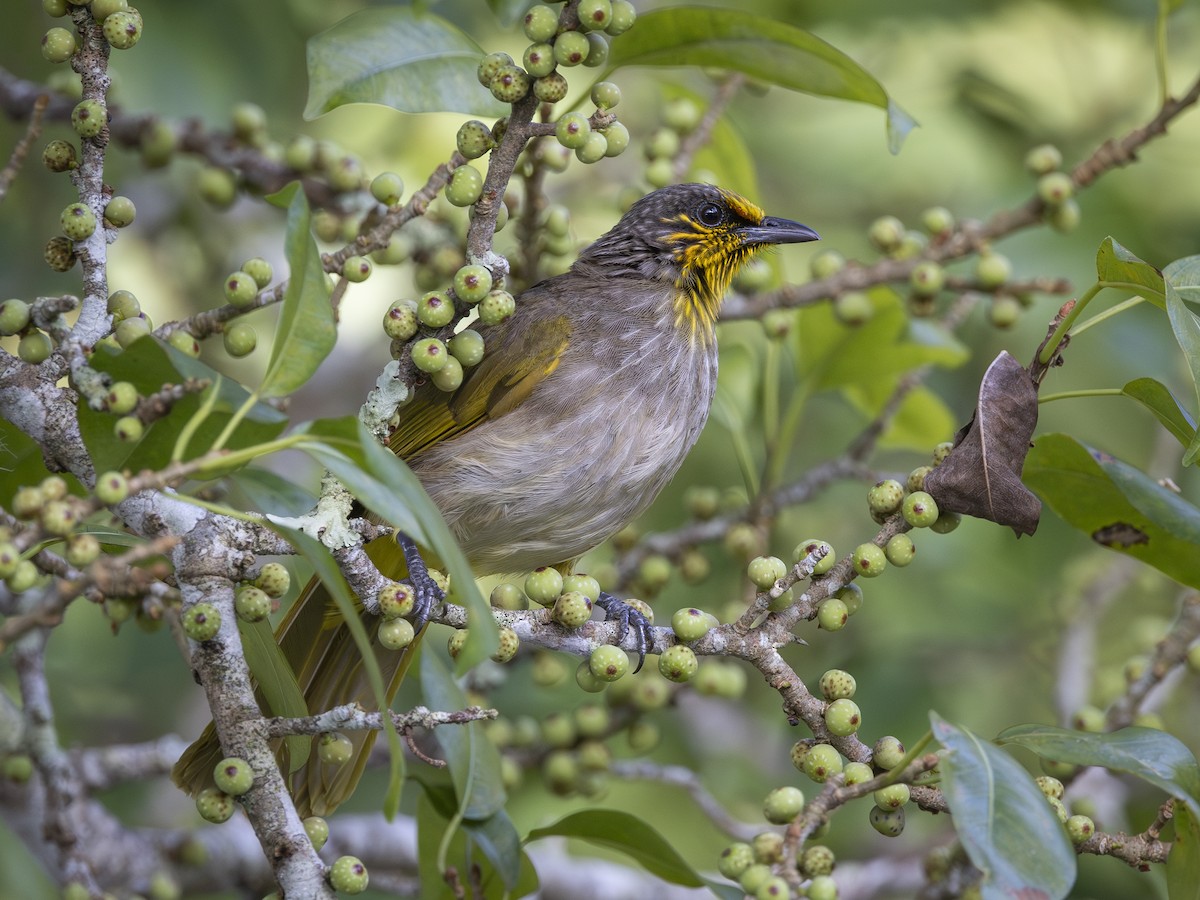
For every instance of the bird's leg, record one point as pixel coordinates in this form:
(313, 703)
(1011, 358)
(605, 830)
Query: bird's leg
(627, 619)
(426, 592)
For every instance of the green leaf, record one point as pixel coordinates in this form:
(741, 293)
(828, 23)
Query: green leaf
(763, 48)
(498, 839)
(1186, 327)
(112, 540)
(277, 682)
(495, 837)
(340, 445)
(431, 825)
(1155, 396)
(438, 789)
(1117, 266)
(1184, 275)
(1154, 756)
(727, 156)
(22, 463)
(832, 355)
(269, 492)
(508, 11)
(728, 414)
(325, 568)
(1160, 504)
(473, 760)
(474, 766)
(405, 58)
(625, 833)
(1119, 506)
(1183, 284)
(1183, 863)
(148, 364)
(306, 331)
(1008, 830)
(386, 486)
(922, 420)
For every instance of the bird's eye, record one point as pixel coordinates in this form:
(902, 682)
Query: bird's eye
(710, 215)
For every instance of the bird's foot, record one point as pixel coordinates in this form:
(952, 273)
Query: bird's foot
(427, 594)
(628, 619)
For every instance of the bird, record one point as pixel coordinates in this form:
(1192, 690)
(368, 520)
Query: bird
(583, 408)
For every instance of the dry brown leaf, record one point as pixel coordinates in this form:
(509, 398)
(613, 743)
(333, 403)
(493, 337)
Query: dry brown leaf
(982, 475)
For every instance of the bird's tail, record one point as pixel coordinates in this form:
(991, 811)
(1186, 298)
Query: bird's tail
(317, 643)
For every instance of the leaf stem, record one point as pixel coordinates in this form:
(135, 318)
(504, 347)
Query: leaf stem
(219, 509)
(1068, 320)
(792, 418)
(772, 373)
(741, 448)
(235, 420)
(189, 430)
(249, 454)
(1070, 395)
(916, 750)
(1107, 314)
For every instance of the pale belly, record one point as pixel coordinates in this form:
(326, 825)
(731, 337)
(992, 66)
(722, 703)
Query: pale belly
(549, 482)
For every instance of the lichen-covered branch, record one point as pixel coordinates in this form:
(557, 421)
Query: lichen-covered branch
(352, 717)
(205, 560)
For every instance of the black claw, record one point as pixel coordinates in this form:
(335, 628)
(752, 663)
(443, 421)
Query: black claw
(427, 594)
(626, 617)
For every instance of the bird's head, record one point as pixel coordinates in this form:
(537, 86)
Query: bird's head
(695, 236)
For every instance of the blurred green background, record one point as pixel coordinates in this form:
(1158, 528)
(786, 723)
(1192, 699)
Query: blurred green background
(973, 631)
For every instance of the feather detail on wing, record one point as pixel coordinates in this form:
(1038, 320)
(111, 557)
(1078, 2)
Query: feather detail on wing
(504, 379)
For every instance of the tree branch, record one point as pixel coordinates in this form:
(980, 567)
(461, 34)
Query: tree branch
(17, 158)
(968, 237)
(352, 717)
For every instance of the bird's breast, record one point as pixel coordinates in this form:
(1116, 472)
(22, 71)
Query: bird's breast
(586, 453)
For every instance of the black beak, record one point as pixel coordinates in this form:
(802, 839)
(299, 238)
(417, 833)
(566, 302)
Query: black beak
(778, 231)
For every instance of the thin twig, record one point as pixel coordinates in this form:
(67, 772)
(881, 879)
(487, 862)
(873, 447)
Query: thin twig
(108, 576)
(352, 717)
(672, 543)
(836, 793)
(1169, 655)
(260, 173)
(102, 768)
(702, 133)
(21, 151)
(683, 777)
(1077, 656)
(968, 237)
